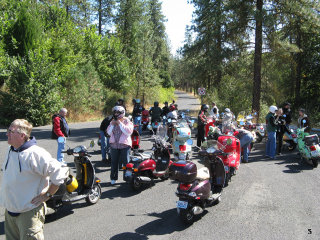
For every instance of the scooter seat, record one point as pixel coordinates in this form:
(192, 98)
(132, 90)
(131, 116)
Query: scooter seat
(203, 174)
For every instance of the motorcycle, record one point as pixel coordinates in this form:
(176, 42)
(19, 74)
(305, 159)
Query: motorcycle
(308, 146)
(86, 185)
(155, 126)
(181, 141)
(135, 137)
(143, 168)
(198, 189)
(145, 119)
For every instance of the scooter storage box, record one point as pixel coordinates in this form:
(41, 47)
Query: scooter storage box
(183, 171)
(311, 140)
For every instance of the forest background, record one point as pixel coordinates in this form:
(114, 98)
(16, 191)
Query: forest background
(85, 54)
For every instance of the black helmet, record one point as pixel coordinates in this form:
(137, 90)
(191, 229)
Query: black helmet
(156, 104)
(120, 100)
(302, 110)
(166, 103)
(204, 107)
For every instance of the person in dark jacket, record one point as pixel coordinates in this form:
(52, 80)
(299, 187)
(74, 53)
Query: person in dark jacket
(165, 109)
(303, 120)
(155, 113)
(120, 102)
(136, 114)
(271, 122)
(202, 121)
(281, 129)
(60, 131)
(287, 113)
(105, 138)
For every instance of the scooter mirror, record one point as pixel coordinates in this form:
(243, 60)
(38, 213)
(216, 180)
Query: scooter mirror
(61, 139)
(190, 142)
(164, 117)
(304, 121)
(149, 127)
(92, 143)
(169, 120)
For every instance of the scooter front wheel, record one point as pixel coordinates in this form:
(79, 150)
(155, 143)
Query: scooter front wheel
(94, 194)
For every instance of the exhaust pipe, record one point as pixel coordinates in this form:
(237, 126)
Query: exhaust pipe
(197, 210)
(144, 179)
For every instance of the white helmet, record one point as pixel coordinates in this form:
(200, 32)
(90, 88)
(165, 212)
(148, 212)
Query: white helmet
(227, 110)
(273, 109)
(118, 112)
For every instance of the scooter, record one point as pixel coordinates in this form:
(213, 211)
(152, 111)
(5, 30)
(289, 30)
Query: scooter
(231, 146)
(145, 119)
(143, 168)
(155, 125)
(181, 147)
(308, 146)
(198, 189)
(86, 185)
(290, 140)
(260, 133)
(210, 123)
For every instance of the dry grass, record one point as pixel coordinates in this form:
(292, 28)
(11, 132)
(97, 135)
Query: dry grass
(87, 117)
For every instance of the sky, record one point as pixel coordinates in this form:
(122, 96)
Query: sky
(178, 14)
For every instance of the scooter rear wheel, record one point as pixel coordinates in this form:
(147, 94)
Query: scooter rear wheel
(186, 216)
(315, 162)
(94, 195)
(135, 184)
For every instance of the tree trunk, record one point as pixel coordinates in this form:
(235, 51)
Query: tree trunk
(100, 17)
(298, 67)
(257, 59)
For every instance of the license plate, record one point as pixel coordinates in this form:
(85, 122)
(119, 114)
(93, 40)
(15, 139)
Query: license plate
(182, 204)
(182, 156)
(128, 174)
(315, 153)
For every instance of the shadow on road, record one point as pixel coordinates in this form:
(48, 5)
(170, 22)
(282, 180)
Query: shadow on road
(167, 222)
(122, 190)
(2, 228)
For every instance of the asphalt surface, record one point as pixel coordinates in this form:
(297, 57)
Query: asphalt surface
(267, 199)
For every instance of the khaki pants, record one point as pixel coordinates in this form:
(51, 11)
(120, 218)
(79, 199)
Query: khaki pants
(28, 225)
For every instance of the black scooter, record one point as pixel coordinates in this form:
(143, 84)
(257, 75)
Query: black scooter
(85, 186)
(198, 189)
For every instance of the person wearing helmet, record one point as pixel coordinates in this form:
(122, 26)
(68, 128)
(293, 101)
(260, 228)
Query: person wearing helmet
(165, 109)
(303, 120)
(119, 130)
(271, 122)
(136, 114)
(202, 121)
(155, 112)
(173, 113)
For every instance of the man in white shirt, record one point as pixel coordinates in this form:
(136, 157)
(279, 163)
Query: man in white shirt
(214, 111)
(25, 185)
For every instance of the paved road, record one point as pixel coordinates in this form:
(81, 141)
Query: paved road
(267, 199)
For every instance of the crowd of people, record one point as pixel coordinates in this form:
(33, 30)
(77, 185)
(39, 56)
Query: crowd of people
(40, 175)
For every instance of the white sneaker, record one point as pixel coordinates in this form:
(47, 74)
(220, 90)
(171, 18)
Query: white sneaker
(113, 182)
(64, 164)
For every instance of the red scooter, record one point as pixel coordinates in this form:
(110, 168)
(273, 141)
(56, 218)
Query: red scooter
(210, 122)
(231, 146)
(144, 168)
(145, 119)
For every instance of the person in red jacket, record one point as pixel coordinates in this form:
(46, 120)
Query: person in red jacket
(60, 131)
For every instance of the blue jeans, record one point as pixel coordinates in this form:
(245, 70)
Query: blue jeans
(137, 121)
(60, 155)
(104, 146)
(245, 142)
(119, 157)
(271, 144)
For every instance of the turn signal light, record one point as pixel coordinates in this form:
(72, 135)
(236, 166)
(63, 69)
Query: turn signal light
(313, 148)
(124, 168)
(135, 170)
(185, 187)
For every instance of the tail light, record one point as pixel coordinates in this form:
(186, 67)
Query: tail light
(178, 132)
(185, 186)
(156, 124)
(129, 165)
(183, 148)
(313, 148)
(294, 135)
